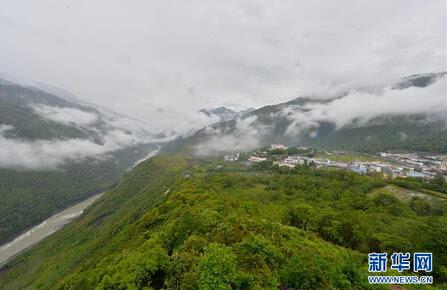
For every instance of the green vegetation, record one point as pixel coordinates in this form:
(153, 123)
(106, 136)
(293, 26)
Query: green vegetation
(406, 194)
(176, 223)
(15, 110)
(437, 184)
(412, 133)
(28, 197)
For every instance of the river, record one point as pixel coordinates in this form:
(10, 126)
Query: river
(44, 229)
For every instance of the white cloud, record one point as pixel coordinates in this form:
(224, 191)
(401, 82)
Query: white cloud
(245, 136)
(49, 154)
(4, 128)
(137, 57)
(354, 108)
(363, 106)
(109, 130)
(116, 132)
(65, 115)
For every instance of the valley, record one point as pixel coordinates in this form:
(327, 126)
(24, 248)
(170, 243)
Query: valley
(211, 203)
(44, 229)
(252, 224)
(56, 153)
(223, 145)
(323, 123)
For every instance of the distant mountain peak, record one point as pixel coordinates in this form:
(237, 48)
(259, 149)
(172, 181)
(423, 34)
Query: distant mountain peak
(221, 113)
(418, 80)
(330, 123)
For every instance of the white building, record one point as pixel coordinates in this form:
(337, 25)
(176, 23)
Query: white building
(375, 168)
(412, 173)
(294, 160)
(232, 157)
(256, 159)
(339, 164)
(278, 147)
(443, 164)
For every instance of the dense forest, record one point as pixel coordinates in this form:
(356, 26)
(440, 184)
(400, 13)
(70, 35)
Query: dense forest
(27, 197)
(193, 224)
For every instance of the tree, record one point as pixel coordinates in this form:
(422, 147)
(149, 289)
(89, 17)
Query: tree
(218, 268)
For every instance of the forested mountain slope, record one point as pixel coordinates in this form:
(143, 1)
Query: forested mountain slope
(396, 117)
(181, 223)
(56, 152)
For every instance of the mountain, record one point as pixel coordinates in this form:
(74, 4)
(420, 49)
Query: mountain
(56, 152)
(399, 117)
(57, 91)
(177, 222)
(182, 223)
(419, 80)
(222, 114)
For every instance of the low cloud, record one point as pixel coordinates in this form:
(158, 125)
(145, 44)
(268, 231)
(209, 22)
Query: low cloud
(50, 154)
(182, 56)
(65, 115)
(363, 106)
(114, 132)
(246, 136)
(4, 128)
(355, 108)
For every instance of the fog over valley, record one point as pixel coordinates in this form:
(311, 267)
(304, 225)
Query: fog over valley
(161, 63)
(237, 144)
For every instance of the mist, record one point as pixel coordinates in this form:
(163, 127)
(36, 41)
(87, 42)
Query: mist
(246, 136)
(162, 61)
(353, 108)
(51, 154)
(67, 116)
(363, 106)
(114, 133)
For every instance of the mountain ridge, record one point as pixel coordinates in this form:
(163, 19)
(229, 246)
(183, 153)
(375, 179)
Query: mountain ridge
(58, 152)
(177, 222)
(302, 121)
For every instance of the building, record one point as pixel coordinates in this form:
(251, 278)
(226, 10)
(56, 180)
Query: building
(443, 164)
(375, 168)
(294, 160)
(256, 159)
(339, 164)
(359, 169)
(412, 173)
(278, 147)
(232, 157)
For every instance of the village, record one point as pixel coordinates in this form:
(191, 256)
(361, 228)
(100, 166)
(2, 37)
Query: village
(414, 164)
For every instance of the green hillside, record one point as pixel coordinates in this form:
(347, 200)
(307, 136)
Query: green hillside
(176, 223)
(388, 132)
(410, 133)
(425, 131)
(16, 110)
(30, 195)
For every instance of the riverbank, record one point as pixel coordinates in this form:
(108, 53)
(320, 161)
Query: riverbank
(42, 230)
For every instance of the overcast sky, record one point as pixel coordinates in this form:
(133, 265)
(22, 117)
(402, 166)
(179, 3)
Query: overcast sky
(160, 61)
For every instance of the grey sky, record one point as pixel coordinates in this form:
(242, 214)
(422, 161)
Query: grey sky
(160, 61)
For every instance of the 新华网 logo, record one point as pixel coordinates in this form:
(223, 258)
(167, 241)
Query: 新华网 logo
(419, 262)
